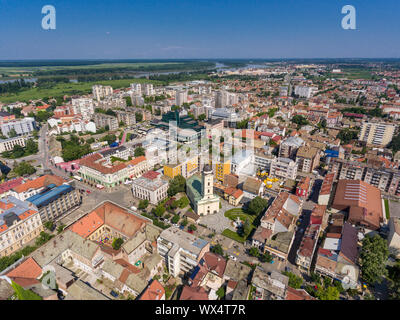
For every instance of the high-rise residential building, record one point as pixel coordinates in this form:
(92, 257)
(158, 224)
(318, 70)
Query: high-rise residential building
(181, 96)
(21, 126)
(129, 118)
(377, 133)
(186, 169)
(100, 91)
(102, 120)
(84, 107)
(148, 89)
(137, 100)
(221, 168)
(180, 250)
(288, 148)
(307, 159)
(305, 92)
(136, 88)
(283, 168)
(225, 98)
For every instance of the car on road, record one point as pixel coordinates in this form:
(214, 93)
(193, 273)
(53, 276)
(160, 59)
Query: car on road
(233, 258)
(114, 294)
(88, 191)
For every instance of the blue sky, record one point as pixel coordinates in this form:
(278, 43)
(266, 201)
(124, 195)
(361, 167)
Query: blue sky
(174, 29)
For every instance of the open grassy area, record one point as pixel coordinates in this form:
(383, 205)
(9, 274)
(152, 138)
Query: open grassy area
(62, 89)
(353, 74)
(131, 66)
(23, 294)
(387, 209)
(233, 214)
(233, 235)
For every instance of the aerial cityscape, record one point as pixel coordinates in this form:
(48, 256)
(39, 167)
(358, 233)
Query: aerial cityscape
(184, 178)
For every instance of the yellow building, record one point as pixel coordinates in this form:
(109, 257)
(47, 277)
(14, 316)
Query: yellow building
(185, 169)
(221, 169)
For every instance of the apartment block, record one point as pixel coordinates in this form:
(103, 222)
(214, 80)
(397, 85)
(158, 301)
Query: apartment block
(8, 144)
(102, 120)
(307, 159)
(377, 133)
(180, 250)
(20, 223)
(385, 179)
(185, 169)
(55, 201)
(283, 168)
(288, 148)
(100, 91)
(21, 126)
(128, 118)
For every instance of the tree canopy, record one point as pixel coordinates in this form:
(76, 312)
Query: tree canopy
(257, 205)
(374, 254)
(176, 185)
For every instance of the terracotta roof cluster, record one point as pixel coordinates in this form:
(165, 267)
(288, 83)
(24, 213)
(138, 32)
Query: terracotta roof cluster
(233, 192)
(26, 273)
(362, 200)
(98, 163)
(327, 184)
(277, 211)
(6, 186)
(40, 182)
(111, 215)
(155, 291)
(193, 293)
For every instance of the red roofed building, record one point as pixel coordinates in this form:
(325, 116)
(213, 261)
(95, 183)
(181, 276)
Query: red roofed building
(298, 294)
(26, 274)
(110, 221)
(303, 187)
(155, 291)
(193, 293)
(362, 201)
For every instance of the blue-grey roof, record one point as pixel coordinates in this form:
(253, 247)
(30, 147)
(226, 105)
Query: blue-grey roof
(49, 195)
(19, 207)
(200, 243)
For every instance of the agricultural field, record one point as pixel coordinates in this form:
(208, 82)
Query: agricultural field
(69, 89)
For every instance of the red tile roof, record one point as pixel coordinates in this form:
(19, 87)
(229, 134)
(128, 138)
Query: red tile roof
(194, 293)
(155, 291)
(39, 183)
(28, 269)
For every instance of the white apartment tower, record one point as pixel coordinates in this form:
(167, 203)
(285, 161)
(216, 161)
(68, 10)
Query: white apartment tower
(377, 133)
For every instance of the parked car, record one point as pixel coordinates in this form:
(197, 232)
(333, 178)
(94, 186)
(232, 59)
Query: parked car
(114, 294)
(233, 258)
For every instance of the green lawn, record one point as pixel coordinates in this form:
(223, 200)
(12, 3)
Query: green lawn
(62, 89)
(387, 209)
(233, 235)
(23, 294)
(233, 214)
(132, 66)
